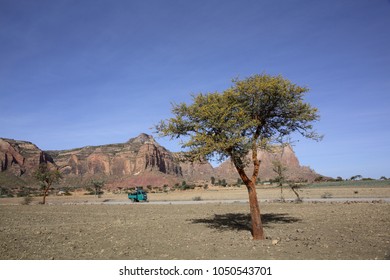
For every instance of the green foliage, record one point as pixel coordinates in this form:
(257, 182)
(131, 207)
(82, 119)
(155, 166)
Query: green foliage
(185, 186)
(98, 186)
(356, 177)
(67, 190)
(46, 176)
(254, 112)
(360, 183)
(222, 182)
(280, 170)
(319, 178)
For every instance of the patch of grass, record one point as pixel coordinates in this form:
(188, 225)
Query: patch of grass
(358, 183)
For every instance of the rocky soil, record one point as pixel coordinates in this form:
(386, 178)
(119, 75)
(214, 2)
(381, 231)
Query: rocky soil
(193, 231)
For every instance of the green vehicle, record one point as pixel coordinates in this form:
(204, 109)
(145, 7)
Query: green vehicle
(138, 195)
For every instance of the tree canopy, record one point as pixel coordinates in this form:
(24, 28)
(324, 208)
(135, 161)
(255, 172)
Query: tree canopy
(47, 178)
(258, 110)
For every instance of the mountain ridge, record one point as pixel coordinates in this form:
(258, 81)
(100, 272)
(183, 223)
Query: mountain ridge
(140, 160)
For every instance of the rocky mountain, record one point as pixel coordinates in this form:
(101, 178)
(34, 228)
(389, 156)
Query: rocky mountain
(138, 155)
(139, 161)
(21, 157)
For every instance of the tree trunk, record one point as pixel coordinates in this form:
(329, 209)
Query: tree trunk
(45, 191)
(281, 192)
(257, 226)
(44, 197)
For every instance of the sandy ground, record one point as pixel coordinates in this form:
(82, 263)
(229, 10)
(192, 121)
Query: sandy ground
(85, 227)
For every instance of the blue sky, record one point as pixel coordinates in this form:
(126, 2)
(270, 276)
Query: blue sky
(77, 73)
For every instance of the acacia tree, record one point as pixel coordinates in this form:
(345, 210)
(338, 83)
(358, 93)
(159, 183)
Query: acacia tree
(98, 185)
(280, 170)
(47, 178)
(252, 114)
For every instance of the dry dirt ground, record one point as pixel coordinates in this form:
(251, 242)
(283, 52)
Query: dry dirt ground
(85, 227)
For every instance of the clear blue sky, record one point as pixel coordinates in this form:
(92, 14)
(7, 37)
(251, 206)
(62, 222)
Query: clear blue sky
(77, 73)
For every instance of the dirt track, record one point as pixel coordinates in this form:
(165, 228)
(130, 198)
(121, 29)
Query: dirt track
(207, 231)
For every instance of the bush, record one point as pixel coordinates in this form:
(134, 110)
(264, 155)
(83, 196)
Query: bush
(26, 200)
(197, 198)
(185, 186)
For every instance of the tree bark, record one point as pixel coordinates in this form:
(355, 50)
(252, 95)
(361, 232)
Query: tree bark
(257, 226)
(44, 197)
(45, 191)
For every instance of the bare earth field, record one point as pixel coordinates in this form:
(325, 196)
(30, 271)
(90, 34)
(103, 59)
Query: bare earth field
(178, 226)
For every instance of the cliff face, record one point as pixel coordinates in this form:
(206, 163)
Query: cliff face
(137, 156)
(20, 157)
(196, 171)
(139, 161)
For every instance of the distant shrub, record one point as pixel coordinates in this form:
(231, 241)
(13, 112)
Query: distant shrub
(319, 179)
(185, 186)
(26, 200)
(197, 198)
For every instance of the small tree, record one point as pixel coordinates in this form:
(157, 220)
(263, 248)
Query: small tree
(47, 178)
(250, 115)
(98, 186)
(279, 169)
(356, 177)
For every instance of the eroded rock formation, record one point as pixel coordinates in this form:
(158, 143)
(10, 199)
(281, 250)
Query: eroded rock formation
(139, 161)
(21, 157)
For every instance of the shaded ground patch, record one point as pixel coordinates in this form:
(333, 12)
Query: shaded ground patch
(240, 221)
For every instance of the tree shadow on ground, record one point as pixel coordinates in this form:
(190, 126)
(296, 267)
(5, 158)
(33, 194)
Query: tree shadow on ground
(239, 221)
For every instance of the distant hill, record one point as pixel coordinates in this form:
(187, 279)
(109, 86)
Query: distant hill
(284, 154)
(139, 161)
